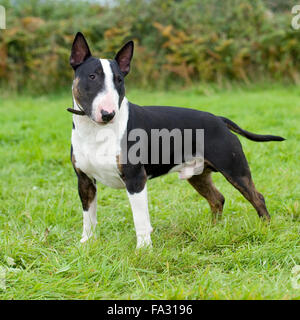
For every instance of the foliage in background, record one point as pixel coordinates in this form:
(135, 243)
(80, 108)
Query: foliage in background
(176, 41)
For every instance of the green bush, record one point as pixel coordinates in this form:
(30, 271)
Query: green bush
(176, 41)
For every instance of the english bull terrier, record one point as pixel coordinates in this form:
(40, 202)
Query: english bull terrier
(104, 120)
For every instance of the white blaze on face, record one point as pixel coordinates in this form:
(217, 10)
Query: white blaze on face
(108, 99)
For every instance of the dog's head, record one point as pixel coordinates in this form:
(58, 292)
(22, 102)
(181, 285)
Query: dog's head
(98, 87)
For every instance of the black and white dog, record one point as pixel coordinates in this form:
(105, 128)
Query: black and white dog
(103, 119)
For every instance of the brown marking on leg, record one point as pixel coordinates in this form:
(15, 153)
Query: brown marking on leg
(119, 165)
(86, 186)
(247, 188)
(204, 185)
(230, 160)
(86, 189)
(73, 161)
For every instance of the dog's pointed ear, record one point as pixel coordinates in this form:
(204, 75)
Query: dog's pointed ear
(124, 57)
(80, 51)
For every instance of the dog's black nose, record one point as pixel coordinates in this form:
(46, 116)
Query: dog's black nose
(106, 116)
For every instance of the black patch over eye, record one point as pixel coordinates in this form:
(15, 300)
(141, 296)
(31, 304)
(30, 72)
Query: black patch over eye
(92, 76)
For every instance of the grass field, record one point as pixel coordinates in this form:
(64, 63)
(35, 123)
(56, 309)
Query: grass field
(239, 258)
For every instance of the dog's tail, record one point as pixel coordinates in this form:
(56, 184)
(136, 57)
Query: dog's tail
(249, 135)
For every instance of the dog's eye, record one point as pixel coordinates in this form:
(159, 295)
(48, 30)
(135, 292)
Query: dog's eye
(92, 76)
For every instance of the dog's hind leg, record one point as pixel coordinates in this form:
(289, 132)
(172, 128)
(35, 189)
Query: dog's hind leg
(232, 163)
(247, 188)
(204, 185)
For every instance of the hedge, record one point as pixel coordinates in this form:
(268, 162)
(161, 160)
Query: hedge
(176, 41)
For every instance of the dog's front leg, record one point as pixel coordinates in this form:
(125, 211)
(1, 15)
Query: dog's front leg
(141, 218)
(88, 194)
(137, 193)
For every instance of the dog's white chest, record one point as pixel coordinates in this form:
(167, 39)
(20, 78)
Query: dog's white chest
(96, 150)
(98, 160)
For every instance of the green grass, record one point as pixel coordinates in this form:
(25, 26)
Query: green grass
(239, 258)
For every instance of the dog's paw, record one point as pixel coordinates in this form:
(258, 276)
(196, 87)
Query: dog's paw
(144, 241)
(86, 237)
